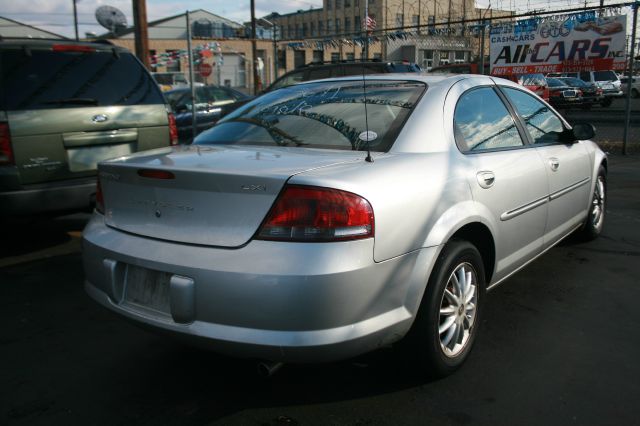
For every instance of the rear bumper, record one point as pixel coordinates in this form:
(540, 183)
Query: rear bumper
(77, 194)
(290, 302)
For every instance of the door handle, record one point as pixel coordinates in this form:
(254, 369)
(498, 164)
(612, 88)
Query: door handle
(554, 163)
(486, 179)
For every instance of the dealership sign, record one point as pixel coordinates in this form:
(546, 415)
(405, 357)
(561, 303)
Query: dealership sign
(567, 43)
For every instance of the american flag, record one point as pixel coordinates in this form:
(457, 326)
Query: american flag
(370, 23)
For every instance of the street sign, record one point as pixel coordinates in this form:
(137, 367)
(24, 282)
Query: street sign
(205, 70)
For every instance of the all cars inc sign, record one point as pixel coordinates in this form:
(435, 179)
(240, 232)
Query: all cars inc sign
(567, 43)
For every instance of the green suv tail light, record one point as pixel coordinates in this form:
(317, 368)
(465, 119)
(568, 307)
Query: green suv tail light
(6, 151)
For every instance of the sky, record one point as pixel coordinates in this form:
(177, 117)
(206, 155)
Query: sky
(57, 15)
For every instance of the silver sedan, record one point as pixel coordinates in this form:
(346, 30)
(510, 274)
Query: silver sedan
(330, 218)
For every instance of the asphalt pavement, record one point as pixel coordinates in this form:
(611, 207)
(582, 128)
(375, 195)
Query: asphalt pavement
(559, 345)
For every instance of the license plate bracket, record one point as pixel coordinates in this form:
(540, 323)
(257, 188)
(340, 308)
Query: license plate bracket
(148, 290)
(86, 158)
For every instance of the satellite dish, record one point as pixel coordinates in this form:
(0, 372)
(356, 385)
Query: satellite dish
(111, 18)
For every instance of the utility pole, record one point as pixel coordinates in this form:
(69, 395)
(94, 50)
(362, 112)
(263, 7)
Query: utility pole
(629, 75)
(366, 29)
(141, 31)
(75, 19)
(194, 110)
(483, 28)
(254, 53)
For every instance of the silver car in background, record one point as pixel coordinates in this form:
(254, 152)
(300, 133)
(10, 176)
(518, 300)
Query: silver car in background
(330, 218)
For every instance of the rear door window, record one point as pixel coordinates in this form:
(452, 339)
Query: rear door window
(41, 79)
(482, 122)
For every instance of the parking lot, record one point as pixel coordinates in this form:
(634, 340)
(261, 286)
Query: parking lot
(559, 345)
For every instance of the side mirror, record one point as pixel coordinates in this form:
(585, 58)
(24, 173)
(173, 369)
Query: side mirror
(583, 131)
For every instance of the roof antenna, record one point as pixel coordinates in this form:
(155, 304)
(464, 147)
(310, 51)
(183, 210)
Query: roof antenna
(367, 136)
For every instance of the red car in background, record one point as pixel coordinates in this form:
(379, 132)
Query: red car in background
(535, 82)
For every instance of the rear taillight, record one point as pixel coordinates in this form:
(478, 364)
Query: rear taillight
(306, 213)
(173, 130)
(99, 197)
(6, 151)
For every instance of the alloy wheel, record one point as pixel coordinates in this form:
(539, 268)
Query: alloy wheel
(458, 309)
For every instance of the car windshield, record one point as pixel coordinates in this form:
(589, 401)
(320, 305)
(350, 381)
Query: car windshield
(576, 82)
(554, 82)
(327, 114)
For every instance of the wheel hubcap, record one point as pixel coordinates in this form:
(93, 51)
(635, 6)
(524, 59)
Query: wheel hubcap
(458, 309)
(597, 206)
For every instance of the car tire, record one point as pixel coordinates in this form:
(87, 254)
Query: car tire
(607, 102)
(438, 354)
(635, 93)
(594, 223)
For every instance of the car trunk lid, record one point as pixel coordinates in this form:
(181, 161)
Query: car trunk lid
(52, 144)
(207, 195)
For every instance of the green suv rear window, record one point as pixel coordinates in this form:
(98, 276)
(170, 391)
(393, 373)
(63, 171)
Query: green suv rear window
(40, 79)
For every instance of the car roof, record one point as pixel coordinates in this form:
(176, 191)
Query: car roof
(47, 43)
(432, 80)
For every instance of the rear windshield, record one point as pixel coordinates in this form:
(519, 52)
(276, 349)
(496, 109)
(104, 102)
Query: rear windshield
(532, 80)
(329, 114)
(39, 79)
(605, 76)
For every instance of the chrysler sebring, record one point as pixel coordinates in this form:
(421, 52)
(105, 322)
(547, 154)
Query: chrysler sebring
(330, 218)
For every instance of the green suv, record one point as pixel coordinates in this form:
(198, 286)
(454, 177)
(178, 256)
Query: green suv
(65, 106)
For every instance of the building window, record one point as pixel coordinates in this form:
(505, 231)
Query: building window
(320, 28)
(377, 55)
(338, 4)
(337, 26)
(444, 57)
(305, 30)
(329, 3)
(329, 27)
(173, 64)
(335, 56)
(298, 30)
(426, 59)
(298, 58)
(318, 56)
(282, 59)
(356, 3)
(290, 32)
(460, 56)
(281, 34)
(347, 25)
(399, 20)
(415, 19)
(313, 29)
(432, 23)
(347, 3)
(357, 24)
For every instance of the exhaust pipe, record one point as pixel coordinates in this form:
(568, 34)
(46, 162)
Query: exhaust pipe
(268, 368)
